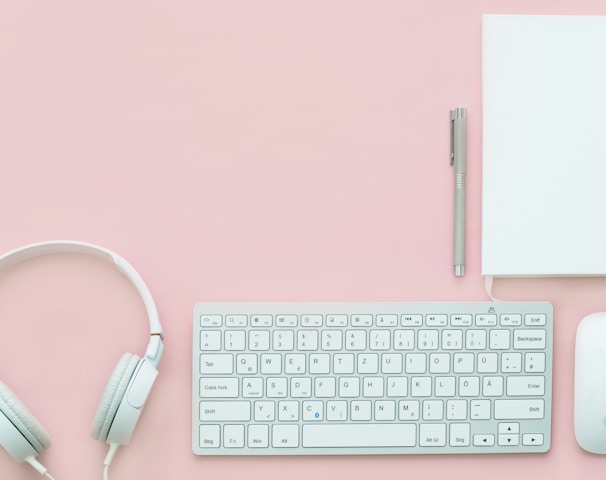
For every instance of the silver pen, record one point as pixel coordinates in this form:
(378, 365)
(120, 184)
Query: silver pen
(458, 157)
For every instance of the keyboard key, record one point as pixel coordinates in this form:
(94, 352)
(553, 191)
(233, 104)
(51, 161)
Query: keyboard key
(483, 440)
(359, 435)
(258, 436)
(224, 411)
(486, 320)
(508, 440)
(361, 320)
(456, 410)
(288, 411)
(452, 339)
(332, 340)
(285, 436)
(210, 340)
(397, 386)
(387, 320)
(235, 340)
(311, 321)
(519, 409)
(459, 434)
(213, 387)
(261, 321)
(219, 363)
(287, 320)
(509, 320)
(355, 340)
(526, 386)
(336, 320)
(535, 319)
(259, 340)
(475, 339)
(380, 340)
(532, 439)
(307, 340)
(534, 362)
(436, 320)
(210, 436)
(499, 339)
(211, 320)
(415, 320)
(529, 339)
(233, 436)
(432, 435)
(461, 320)
(236, 320)
(479, 409)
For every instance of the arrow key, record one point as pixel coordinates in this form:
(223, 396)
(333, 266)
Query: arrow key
(509, 428)
(532, 439)
(509, 440)
(483, 440)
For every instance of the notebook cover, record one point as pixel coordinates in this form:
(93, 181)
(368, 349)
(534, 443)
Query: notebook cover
(544, 146)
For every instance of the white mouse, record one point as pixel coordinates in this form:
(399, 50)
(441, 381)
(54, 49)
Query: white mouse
(590, 383)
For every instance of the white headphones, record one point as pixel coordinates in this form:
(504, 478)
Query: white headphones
(23, 437)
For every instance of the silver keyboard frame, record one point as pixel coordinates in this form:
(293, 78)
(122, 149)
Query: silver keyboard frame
(534, 426)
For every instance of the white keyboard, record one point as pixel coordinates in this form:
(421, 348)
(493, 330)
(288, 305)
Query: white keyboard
(371, 378)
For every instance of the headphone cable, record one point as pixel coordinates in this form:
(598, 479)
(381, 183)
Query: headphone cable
(36, 465)
(113, 448)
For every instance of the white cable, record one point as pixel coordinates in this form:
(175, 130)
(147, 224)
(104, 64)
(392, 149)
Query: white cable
(113, 448)
(36, 465)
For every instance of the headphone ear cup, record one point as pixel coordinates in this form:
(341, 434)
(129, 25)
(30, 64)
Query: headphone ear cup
(113, 395)
(24, 427)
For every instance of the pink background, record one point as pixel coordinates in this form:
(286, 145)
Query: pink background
(240, 150)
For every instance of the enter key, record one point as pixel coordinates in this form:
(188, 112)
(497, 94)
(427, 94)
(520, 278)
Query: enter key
(526, 386)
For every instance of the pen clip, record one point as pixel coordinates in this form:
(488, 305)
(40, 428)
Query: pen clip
(457, 122)
(452, 141)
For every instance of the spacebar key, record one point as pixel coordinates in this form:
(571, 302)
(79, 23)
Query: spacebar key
(359, 435)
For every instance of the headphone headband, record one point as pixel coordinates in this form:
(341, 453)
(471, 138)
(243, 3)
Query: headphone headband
(27, 252)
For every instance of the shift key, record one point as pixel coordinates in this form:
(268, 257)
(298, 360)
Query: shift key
(514, 409)
(224, 411)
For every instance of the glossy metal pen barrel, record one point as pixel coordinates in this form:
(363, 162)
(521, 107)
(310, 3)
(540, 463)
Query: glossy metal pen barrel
(458, 157)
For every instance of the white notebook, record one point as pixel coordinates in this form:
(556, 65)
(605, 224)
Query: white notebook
(544, 146)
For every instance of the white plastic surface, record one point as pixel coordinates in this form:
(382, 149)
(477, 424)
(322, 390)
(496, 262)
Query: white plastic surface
(590, 383)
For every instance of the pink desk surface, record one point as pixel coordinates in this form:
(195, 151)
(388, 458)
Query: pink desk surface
(239, 150)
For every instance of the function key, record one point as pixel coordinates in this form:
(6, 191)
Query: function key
(361, 320)
(311, 320)
(412, 320)
(211, 320)
(286, 320)
(461, 320)
(436, 320)
(538, 319)
(387, 320)
(486, 319)
(261, 320)
(511, 319)
(336, 320)
(236, 320)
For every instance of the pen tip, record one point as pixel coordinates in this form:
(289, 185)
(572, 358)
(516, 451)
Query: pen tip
(459, 270)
